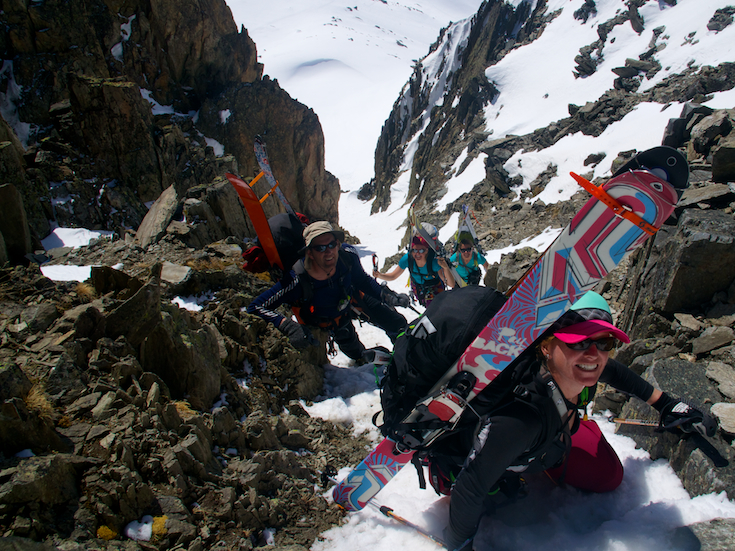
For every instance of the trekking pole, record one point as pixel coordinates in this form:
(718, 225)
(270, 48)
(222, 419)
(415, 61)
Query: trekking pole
(638, 422)
(327, 475)
(388, 512)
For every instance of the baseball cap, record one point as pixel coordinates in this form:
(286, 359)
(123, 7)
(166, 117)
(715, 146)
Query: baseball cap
(588, 316)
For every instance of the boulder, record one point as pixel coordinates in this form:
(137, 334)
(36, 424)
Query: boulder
(689, 264)
(158, 218)
(185, 355)
(14, 223)
(723, 160)
(513, 266)
(14, 383)
(51, 480)
(704, 133)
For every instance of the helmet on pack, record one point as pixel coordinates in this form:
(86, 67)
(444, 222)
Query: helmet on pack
(588, 316)
(429, 230)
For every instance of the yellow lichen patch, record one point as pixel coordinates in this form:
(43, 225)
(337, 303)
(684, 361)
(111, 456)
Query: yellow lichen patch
(159, 526)
(185, 410)
(106, 533)
(265, 276)
(64, 422)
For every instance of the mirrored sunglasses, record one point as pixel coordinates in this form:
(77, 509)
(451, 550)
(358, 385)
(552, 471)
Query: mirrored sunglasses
(321, 248)
(605, 344)
(419, 251)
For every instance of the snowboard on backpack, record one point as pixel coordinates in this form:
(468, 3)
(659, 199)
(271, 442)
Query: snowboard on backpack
(593, 243)
(257, 216)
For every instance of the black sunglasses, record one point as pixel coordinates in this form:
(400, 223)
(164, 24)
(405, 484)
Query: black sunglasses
(466, 250)
(321, 248)
(420, 251)
(604, 345)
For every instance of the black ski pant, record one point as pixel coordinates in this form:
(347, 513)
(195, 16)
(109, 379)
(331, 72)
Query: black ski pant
(346, 338)
(376, 313)
(383, 316)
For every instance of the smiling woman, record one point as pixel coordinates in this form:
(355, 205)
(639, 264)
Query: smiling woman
(538, 427)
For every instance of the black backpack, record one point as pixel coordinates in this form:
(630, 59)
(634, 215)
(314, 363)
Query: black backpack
(287, 232)
(431, 344)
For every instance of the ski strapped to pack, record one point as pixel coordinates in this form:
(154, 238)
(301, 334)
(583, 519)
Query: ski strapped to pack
(466, 220)
(618, 208)
(265, 166)
(438, 250)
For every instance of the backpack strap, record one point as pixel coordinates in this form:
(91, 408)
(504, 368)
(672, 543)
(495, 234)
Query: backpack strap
(537, 393)
(432, 278)
(304, 305)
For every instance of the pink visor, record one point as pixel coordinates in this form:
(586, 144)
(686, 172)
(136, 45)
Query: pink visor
(584, 330)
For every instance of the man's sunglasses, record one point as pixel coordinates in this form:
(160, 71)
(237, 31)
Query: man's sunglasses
(321, 248)
(466, 250)
(420, 251)
(604, 345)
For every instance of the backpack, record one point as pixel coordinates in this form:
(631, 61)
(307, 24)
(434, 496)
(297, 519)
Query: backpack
(287, 231)
(430, 345)
(288, 236)
(473, 269)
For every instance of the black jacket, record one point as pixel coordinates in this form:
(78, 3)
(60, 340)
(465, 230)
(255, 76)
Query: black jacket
(524, 434)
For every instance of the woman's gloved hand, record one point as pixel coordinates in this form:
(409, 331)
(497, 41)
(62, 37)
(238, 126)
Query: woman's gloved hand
(681, 415)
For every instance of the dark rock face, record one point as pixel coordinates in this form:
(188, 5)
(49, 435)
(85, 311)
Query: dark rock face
(696, 262)
(110, 122)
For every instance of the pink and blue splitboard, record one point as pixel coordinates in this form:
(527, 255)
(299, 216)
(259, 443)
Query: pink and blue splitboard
(593, 243)
(371, 475)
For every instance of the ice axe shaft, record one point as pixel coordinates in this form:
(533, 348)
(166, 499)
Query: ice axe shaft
(388, 512)
(638, 422)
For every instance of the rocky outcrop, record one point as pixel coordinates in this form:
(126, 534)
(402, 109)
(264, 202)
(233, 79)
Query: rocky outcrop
(111, 121)
(295, 144)
(495, 30)
(124, 405)
(443, 113)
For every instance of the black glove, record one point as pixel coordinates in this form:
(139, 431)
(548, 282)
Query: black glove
(391, 298)
(676, 414)
(299, 335)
